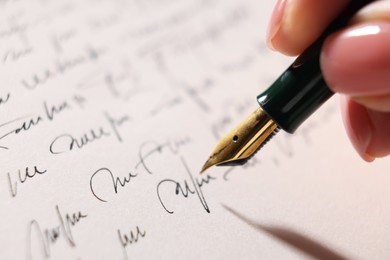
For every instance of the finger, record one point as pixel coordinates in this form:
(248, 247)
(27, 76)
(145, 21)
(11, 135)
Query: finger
(367, 129)
(356, 61)
(295, 24)
(376, 11)
(377, 103)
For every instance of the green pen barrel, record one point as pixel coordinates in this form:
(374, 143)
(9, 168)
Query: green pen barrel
(296, 94)
(301, 89)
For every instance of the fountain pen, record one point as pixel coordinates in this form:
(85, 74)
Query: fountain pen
(286, 104)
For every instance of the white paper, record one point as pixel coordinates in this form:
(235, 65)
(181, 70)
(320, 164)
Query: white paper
(108, 111)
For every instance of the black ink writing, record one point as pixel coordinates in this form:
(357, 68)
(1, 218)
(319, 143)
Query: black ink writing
(192, 187)
(131, 238)
(115, 123)
(144, 156)
(5, 99)
(61, 68)
(50, 112)
(149, 148)
(115, 181)
(16, 54)
(23, 176)
(67, 142)
(50, 236)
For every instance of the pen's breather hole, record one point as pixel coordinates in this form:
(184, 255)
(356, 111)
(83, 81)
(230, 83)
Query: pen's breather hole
(235, 138)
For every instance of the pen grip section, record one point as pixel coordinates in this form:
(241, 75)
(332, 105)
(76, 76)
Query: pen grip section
(301, 89)
(296, 94)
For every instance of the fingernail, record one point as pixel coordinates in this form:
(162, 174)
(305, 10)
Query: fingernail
(368, 157)
(364, 141)
(363, 150)
(377, 103)
(275, 22)
(376, 11)
(358, 125)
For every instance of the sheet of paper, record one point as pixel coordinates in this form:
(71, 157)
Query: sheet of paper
(109, 109)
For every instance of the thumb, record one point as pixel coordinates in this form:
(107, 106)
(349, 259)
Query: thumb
(356, 60)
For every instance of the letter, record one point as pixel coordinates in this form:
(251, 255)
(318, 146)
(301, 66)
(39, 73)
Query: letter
(115, 182)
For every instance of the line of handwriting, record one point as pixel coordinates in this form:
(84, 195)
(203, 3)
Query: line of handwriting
(49, 236)
(129, 239)
(61, 68)
(146, 153)
(67, 142)
(191, 187)
(23, 176)
(28, 122)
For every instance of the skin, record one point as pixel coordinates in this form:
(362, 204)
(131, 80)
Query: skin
(355, 63)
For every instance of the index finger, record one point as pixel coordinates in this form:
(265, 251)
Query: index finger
(295, 24)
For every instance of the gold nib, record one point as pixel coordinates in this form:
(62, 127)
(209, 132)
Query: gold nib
(243, 141)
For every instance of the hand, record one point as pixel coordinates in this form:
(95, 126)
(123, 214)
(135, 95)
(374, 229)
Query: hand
(355, 62)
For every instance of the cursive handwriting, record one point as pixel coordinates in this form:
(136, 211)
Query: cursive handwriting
(116, 123)
(61, 67)
(68, 142)
(61, 38)
(5, 99)
(50, 112)
(149, 148)
(127, 240)
(23, 177)
(191, 187)
(132, 238)
(146, 151)
(16, 54)
(115, 181)
(50, 236)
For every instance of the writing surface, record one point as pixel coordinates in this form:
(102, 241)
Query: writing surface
(110, 108)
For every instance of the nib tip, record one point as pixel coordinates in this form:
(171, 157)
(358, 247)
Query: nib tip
(244, 141)
(206, 166)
